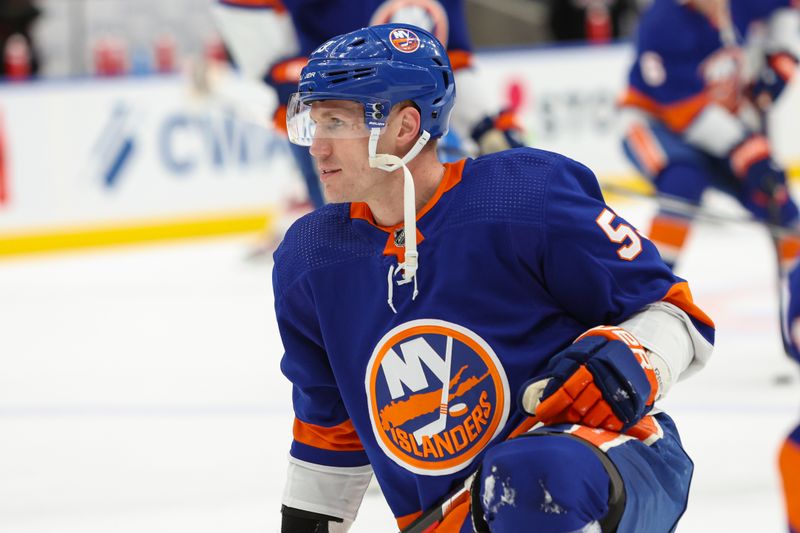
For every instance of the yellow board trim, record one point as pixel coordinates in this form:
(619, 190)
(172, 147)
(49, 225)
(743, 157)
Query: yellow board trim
(95, 236)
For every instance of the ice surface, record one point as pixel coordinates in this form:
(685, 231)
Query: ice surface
(140, 391)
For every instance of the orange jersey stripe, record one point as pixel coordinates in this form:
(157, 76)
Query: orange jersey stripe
(288, 71)
(452, 176)
(789, 461)
(669, 230)
(341, 437)
(647, 149)
(680, 296)
(677, 116)
(506, 120)
(270, 4)
(459, 59)
(789, 248)
(360, 210)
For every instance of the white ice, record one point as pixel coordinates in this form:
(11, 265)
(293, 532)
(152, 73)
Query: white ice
(140, 391)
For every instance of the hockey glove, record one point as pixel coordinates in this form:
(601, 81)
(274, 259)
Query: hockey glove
(763, 183)
(603, 380)
(497, 133)
(772, 79)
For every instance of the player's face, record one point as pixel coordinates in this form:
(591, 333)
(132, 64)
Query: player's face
(341, 154)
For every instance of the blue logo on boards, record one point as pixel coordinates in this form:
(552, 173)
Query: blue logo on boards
(185, 142)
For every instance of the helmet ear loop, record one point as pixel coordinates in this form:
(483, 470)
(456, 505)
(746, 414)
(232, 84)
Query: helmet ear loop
(390, 163)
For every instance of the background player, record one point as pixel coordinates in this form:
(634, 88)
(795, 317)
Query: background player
(695, 108)
(789, 458)
(263, 44)
(433, 308)
(271, 40)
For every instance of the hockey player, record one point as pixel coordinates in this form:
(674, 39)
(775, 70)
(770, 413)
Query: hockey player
(695, 109)
(433, 309)
(260, 37)
(789, 457)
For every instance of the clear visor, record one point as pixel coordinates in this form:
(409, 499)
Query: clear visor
(332, 116)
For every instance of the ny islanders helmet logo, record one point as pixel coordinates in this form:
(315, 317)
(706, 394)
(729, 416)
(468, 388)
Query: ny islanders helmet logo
(404, 40)
(437, 395)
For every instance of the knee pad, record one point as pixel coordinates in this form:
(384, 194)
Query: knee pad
(556, 481)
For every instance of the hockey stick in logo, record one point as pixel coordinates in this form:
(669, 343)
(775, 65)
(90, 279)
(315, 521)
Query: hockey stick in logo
(438, 425)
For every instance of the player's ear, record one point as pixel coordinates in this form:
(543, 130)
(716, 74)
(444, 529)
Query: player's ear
(410, 123)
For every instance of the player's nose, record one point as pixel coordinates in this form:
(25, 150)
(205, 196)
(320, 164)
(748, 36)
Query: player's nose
(320, 147)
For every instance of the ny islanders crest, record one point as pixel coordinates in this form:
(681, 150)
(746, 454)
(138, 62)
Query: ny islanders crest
(437, 395)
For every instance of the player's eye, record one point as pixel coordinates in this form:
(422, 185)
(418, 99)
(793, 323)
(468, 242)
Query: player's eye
(332, 124)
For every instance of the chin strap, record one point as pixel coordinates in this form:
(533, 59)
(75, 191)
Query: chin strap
(390, 163)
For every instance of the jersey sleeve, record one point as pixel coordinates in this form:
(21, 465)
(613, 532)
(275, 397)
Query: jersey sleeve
(328, 468)
(596, 265)
(793, 312)
(323, 432)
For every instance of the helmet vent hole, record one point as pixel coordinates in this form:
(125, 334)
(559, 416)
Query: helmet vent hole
(357, 42)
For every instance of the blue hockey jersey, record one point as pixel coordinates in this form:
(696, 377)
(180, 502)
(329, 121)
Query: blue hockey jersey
(793, 311)
(682, 64)
(316, 21)
(518, 255)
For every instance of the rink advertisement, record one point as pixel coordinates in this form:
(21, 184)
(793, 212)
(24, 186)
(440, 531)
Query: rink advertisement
(98, 161)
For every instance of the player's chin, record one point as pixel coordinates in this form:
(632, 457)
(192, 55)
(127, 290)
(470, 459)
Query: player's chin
(332, 193)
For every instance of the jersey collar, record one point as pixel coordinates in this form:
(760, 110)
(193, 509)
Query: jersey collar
(394, 242)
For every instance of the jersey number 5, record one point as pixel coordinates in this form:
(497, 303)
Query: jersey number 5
(630, 251)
